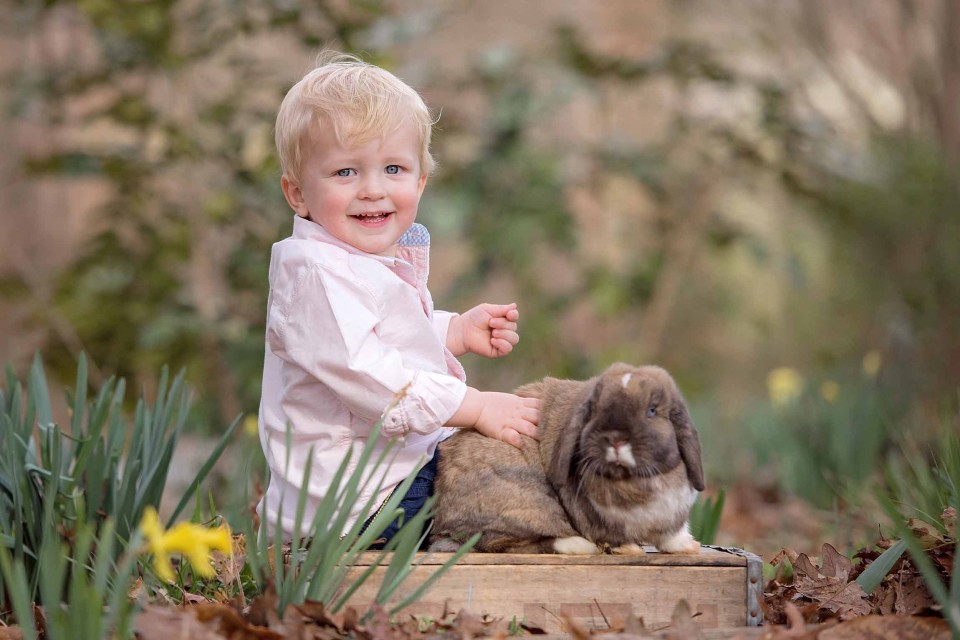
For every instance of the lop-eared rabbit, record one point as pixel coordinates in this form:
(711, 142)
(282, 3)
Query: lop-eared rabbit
(617, 466)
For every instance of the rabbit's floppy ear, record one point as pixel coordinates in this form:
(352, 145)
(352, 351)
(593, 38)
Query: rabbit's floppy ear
(567, 406)
(531, 390)
(689, 443)
(589, 405)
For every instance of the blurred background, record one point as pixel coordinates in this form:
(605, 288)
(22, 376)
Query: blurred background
(760, 196)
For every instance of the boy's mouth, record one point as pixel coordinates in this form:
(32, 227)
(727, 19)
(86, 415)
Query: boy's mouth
(374, 217)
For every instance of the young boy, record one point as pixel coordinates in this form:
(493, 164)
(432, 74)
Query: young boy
(351, 328)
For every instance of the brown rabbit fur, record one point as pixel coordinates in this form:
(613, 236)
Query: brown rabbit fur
(617, 465)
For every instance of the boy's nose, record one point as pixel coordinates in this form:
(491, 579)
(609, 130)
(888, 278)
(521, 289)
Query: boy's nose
(372, 189)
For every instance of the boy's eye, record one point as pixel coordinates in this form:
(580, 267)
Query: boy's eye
(393, 169)
(345, 173)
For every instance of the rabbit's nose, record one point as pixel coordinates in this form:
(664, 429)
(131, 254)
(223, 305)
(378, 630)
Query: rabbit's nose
(619, 452)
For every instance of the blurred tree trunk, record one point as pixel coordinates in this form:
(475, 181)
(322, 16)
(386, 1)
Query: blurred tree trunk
(694, 211)
(949, 103)
(210, 290)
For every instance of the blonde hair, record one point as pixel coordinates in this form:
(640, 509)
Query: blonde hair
(360, 101)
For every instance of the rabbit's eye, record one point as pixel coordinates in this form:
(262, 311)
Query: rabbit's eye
(652, 411)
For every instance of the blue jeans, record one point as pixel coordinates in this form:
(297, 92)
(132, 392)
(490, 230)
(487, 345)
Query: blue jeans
(412, 503)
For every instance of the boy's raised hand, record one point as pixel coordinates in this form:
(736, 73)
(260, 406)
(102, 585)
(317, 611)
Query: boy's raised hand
(488, 330)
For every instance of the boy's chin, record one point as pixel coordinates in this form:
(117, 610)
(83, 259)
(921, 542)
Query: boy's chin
(389, 252)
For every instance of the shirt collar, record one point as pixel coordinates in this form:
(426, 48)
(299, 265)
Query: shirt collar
(309, 230)
(413, 247)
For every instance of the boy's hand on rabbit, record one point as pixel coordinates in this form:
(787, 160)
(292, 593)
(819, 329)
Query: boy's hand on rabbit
(488, 330)
(505, 417)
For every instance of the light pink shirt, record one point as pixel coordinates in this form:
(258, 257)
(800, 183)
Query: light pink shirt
(347, 331)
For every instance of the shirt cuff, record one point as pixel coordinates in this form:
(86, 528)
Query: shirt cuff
(441, 324)
(423, 406)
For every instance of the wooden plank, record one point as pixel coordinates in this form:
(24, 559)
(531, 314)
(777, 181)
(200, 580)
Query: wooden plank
(708, 557)
(543, 589)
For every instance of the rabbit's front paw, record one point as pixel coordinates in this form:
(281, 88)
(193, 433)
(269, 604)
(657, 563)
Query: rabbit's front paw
(631, 549)
(681, 542)
(575, 546)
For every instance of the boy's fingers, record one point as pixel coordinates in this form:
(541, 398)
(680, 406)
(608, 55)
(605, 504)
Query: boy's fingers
(502, 334)
(508, 311)
(528, 423)
(502, 323)
(510, 436)
(501, 347)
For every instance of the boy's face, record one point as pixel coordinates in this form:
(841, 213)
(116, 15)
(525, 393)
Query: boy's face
(365, 195)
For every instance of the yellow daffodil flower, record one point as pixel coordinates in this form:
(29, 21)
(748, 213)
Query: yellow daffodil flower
(250, 425)
(784, 385)
(871, 363)
(829, 390)
(192, 540)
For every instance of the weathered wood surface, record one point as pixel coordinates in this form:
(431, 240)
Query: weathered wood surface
(707, 557)
(595, 591)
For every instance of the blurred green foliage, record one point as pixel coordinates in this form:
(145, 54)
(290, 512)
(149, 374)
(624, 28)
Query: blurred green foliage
(828, 439)
(705, 517)
(73, 495)
(900, 221)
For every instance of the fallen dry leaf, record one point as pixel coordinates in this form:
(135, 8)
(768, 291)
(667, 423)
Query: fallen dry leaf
(796, 627)
(163, 623)
(927, 534)
(846, 599)
(804, 566)
(912, 595)
(229, 567)
(827, 585)
(683, 625)
(876, 627)
(231, 624)
(949, 519)
(835, 564)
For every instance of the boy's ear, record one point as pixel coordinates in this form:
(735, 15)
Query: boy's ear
(294, 196)
(422, 185)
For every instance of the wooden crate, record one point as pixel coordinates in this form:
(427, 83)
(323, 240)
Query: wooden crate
(723, 585)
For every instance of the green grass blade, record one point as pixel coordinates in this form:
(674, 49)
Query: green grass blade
(354, 542)
(931, 577)
(40, 393)
(53, 571)
(408, 540)
(339, 552)
(28, 419)
(79, 399)
(85, 606)
(121, 606)
(321, 558)
(154, 476)
(18, 588)
(873, 575)
(358, 581)
(400, 566)
(426, 584)
(205, 468)
(104, 557)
